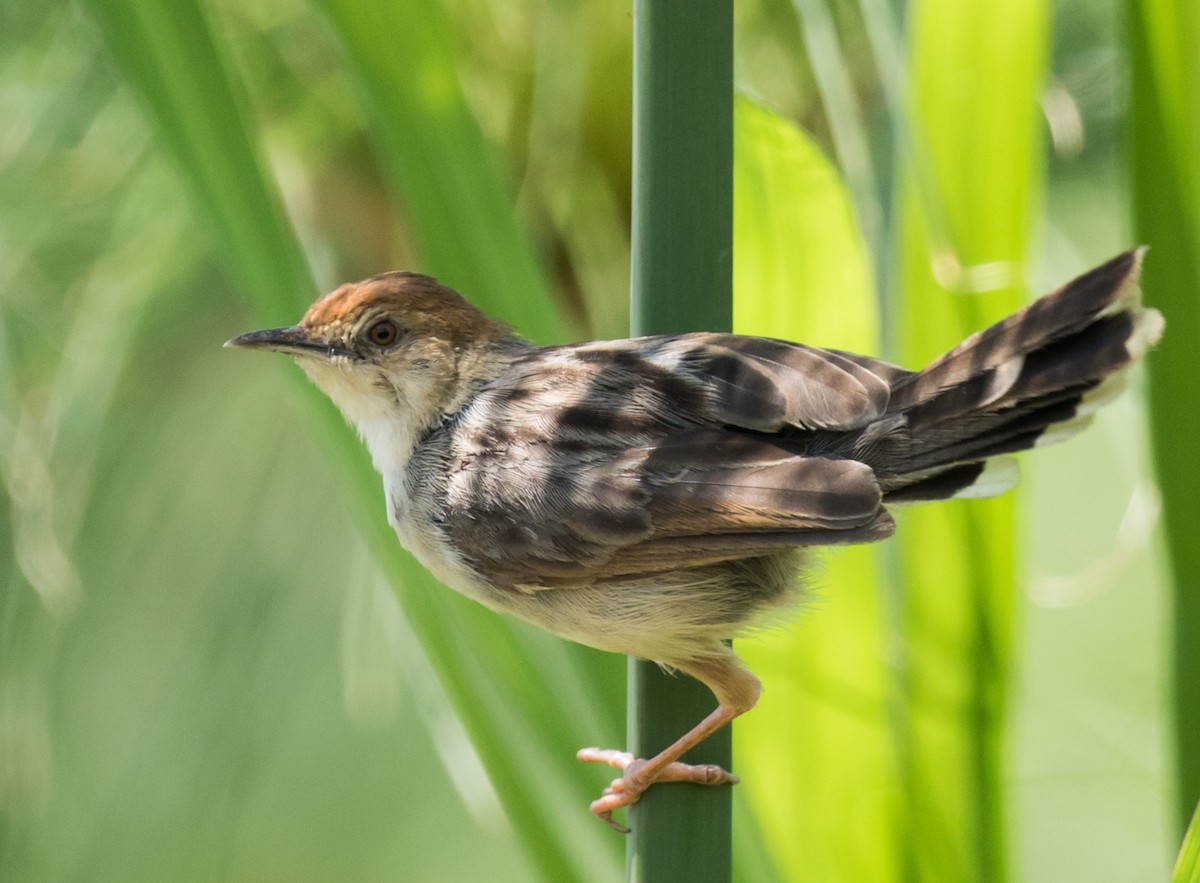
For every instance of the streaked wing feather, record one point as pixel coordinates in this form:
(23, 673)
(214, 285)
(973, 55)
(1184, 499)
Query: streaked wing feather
(766, 385)
(693, 498)
(885, 371)
(667, 553)
(712, 482)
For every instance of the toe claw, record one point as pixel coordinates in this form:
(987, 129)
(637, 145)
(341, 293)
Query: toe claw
(608, 819)
(604, 806)
(627, 789)
(615, 825)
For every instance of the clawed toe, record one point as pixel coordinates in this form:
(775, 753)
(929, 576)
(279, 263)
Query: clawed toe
(611, 756)
(621, 791)
(697, 774)
(638, 775)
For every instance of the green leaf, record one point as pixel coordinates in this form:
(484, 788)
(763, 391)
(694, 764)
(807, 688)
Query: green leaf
(1187, 866)
(446, 176)
(970, 178)
(527, 700)
(1164, 51)
(817, 741)
(169, 55)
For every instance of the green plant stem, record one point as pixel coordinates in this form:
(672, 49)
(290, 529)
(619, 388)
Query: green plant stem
(1164, 62)
(682, 272)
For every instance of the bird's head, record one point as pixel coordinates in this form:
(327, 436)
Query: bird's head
(396, 347)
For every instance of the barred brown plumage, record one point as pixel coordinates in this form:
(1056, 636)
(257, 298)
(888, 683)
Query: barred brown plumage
(654, 496)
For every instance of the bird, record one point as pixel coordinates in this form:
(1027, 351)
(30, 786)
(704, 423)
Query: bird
(658, 496)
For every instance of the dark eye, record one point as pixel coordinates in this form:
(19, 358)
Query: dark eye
(383, 333)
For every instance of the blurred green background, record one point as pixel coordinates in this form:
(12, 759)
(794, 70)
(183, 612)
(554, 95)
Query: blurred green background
(204, 670)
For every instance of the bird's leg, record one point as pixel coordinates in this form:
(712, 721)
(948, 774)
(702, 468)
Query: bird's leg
(640, 774)
(736, 690)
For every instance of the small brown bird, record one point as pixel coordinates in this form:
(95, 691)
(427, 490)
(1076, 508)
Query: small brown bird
(653, 496)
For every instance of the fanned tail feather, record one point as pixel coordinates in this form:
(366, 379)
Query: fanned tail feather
(1030, 379)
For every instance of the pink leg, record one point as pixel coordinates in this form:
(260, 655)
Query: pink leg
(736, 691)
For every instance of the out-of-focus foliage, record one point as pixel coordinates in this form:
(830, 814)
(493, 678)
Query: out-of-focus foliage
(1164, 51)
(455, 635)
(822, 689)
(1187, 866)
(969, 179)
(203, 672)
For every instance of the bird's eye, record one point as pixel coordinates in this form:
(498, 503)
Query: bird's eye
(383, 333)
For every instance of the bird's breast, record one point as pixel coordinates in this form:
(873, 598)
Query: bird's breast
(421, 535)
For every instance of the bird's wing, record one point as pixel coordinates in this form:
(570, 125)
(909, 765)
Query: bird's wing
(621, 459)
(766, 385)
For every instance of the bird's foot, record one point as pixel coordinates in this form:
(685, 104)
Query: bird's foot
(639, 774)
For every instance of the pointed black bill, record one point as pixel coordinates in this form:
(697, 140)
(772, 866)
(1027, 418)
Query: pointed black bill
(294, 339)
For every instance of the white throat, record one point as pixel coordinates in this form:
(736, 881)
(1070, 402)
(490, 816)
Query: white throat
(391, 425)
(391, 440)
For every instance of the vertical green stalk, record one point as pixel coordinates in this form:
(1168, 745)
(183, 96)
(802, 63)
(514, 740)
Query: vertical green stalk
(682, 269)
(970, 180)
(1164, 63)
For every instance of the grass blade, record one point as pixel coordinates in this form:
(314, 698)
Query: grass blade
(446, 175)
(1187, 867)
(500, 676)
(1164, 36)
(972, 174)
(168, 53)
(801, 272)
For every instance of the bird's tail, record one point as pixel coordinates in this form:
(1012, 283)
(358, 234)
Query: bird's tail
(1031, 379)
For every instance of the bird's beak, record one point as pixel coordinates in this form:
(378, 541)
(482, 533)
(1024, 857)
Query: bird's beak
(294, 340)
